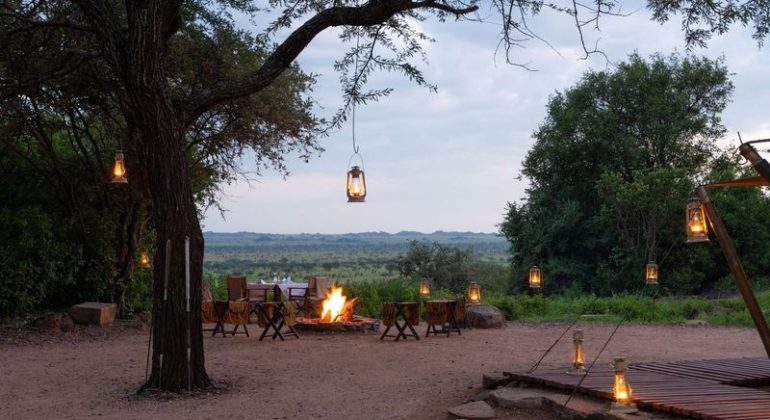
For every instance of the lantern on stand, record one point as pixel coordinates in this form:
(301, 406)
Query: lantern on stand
(535, 277)
(621, 390)
(695, 217)
(424, 289)
(474, 293)
(119, 169)
(144, 259)
(356, 185)
(651, 273)
(579, 360)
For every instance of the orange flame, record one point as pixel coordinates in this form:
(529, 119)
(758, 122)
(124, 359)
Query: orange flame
(333, 305)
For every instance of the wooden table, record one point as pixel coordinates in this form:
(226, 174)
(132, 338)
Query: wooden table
(450, 325)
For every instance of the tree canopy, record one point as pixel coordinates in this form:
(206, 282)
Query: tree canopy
(612, 167)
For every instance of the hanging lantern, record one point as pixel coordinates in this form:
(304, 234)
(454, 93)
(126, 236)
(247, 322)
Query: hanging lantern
(535, 277)
(424, 289)
(579, 359)
(119, 169)
(356, 185)
(144, 259)
(621, 390)
(651, 273)
(697, 231)
(474, 293)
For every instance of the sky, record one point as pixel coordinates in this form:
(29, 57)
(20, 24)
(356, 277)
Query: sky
(450, 160)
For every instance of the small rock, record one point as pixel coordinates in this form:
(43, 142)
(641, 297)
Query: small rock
(695, 322)
(54, 322)
(481, 396)
(517, 398)
(495, 380)
(473, 410)
(484, 316)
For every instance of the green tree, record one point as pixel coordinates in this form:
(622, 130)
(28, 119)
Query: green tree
(611, 168)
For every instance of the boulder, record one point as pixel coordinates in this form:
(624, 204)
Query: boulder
(484, 316)
(94, 313)
(508, 397)
(473, 410)
(54, 322)
(495, 380)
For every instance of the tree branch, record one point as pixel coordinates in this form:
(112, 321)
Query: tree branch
(372, 13)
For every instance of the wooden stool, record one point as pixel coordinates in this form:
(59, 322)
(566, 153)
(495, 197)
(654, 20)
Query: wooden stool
(403, 315)
(442, 313)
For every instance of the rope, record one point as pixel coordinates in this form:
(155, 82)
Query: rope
(588, 371)
(537, 364)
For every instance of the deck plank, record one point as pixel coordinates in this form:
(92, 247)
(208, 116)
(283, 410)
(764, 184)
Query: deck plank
(705, 389)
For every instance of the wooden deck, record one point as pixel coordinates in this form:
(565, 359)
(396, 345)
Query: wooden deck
(704, 389)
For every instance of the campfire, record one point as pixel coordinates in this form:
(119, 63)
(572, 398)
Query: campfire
(336, 307)
(336, 314)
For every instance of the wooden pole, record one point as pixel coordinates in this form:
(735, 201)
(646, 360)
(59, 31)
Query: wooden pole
(760, 165)
(726, 243)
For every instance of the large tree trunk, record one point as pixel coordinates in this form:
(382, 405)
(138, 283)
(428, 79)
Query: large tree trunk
(176, 218)
(177, 360)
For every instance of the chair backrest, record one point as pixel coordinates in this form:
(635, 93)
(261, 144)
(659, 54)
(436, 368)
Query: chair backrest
(236, 287)
(317, 286)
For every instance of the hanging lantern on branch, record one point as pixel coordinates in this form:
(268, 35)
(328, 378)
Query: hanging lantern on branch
(579, 359)
(695, 219)
(119, 169)
(651, 273)
(356, 179)
(474, 293)
(424, 288)
(356, 184)
(535, 277)
(144, 259)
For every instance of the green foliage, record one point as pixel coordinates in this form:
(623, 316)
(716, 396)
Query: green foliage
(448, 267)
(611, 170)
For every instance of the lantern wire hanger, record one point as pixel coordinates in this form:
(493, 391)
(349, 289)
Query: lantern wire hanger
(356, 179)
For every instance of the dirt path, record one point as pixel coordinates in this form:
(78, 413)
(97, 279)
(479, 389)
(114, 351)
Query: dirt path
(321, 377)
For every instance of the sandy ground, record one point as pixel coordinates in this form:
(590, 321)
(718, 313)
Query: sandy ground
(320, 376)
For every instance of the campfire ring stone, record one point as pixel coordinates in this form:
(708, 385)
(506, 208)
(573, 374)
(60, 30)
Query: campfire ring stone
(356, 324)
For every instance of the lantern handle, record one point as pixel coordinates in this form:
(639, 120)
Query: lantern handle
(361, 158)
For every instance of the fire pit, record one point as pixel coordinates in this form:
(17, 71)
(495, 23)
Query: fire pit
(337, 314)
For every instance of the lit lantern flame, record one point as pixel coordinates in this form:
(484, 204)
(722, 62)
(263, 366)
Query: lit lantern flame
(144, 259)
(424, 288)
(474, 293)
(119, 169)
(535, 277)
(356, 185)
(579, 358)
(651, 273)
(695, 218)
(333, 305)
(621, 390)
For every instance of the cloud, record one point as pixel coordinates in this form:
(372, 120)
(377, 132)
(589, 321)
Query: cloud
(447, 160)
